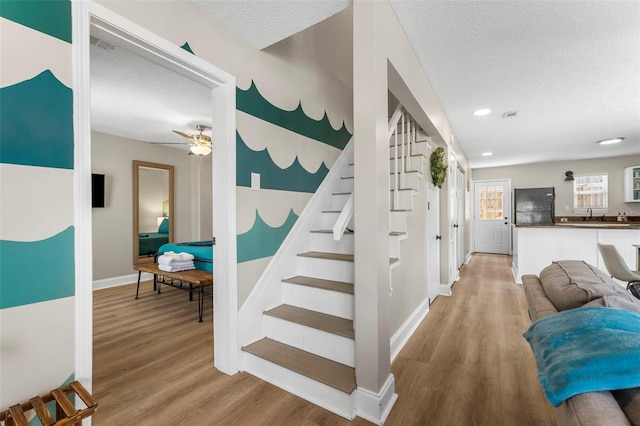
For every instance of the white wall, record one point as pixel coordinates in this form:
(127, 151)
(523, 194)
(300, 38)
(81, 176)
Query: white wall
(113, 224)
(553, 174)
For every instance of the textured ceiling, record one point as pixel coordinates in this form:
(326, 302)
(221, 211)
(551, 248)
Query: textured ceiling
(265, 22)
(571, 69)
(135, 98)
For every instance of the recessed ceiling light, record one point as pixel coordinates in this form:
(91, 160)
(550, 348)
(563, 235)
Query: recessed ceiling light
(481, 112)
(486, 154)
(610, 141)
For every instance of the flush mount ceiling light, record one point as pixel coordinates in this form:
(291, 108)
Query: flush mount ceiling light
(487, 154)
(610, 141)
(481, 112)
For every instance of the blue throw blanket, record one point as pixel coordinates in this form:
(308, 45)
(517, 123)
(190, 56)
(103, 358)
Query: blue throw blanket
(586, 349)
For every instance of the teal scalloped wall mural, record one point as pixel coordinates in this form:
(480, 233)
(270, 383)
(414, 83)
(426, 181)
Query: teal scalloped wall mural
(36, 132)
(263, 240)
(52, 279)
(36, 118)
(252, 102)
(293, 178)
(187, 48)
(52, 17)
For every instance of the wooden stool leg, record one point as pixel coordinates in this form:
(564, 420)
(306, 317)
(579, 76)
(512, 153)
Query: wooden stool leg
(138, 286)
(200, 304)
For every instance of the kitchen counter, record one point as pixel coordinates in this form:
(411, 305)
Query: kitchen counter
(590, 225)
(536, 246)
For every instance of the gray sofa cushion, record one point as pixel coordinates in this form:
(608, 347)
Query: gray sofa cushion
(570, 284)
(616, 301)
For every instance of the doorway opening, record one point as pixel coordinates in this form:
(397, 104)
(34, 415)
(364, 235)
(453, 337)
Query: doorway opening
(89, 19)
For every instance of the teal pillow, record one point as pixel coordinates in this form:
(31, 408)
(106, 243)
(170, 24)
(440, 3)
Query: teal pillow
(164, 226)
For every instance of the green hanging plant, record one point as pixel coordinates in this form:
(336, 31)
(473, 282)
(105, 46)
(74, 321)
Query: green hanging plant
(438, 168)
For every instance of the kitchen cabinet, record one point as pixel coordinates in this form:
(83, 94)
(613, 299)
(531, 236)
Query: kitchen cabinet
(632, 184)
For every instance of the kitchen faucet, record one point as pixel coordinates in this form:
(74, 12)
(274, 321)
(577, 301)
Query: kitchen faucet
(590, 211)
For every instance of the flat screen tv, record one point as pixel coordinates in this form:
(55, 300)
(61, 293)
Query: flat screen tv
(97, 190)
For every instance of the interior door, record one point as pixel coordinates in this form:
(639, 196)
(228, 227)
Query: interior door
(492, 207)
(433, 242)
(460, 195)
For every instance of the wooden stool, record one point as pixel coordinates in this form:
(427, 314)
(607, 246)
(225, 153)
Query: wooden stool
(66, 413)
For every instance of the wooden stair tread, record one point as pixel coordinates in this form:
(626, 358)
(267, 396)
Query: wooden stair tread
(313, 319)
(330, 256)
(397, 234)
(331, 373)
(339, 286)
(328, 231)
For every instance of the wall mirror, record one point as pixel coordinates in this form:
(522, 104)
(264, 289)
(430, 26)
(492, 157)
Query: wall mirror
(153, 212)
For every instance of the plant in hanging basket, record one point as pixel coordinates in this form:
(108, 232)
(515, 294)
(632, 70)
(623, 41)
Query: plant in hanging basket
(438, 168)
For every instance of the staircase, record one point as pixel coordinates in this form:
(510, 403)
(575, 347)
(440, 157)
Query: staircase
(300, 316)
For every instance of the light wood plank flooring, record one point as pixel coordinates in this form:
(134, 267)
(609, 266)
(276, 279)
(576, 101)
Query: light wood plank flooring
(467, 364)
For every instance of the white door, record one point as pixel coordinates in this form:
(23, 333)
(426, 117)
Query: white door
(460, 195)
(492, 205)
(433, 242)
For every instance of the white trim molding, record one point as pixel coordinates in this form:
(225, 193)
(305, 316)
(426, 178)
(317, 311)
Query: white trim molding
(92, 18)
(376, 407)
(121, 280)
(406, 330)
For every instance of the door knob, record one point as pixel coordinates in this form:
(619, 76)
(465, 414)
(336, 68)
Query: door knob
(455, 225)
(438, 237)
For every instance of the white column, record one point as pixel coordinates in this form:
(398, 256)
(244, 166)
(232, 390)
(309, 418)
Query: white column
(371, 200)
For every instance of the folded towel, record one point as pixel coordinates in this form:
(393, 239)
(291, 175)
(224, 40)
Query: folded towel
(171, 262)
(586, 349)
(169, 258)
(167, 268)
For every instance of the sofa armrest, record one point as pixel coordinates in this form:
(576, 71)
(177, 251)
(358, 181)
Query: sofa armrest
(537, 300)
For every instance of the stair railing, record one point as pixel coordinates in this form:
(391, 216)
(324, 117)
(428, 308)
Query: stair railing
(343, 219)
(404, 131)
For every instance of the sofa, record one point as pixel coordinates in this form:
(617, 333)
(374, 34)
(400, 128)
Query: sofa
(572, 284)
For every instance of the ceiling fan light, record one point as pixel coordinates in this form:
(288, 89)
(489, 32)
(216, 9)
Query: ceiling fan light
(201, 149)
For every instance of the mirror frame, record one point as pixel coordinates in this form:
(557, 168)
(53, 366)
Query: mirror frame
(137, 259)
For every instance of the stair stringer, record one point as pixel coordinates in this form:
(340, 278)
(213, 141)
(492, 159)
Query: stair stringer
(267, 293)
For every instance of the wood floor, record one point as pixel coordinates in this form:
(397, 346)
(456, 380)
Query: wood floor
(467, 364)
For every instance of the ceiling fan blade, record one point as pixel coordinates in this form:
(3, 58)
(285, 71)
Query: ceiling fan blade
(168, 143)
(184, 135)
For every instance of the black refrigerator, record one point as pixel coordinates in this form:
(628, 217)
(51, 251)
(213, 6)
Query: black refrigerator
(534, 206)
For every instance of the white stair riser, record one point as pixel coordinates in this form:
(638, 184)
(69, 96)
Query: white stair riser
(327, 269)
(394, 246)
(344, 185)
(403, 200)
(398, 221)
(410, 181)
(324, 242)
(315, 392)
(317, 299)
(339, 200)
(416, 149)
(327, 345)
(329, 218)
(414, 163)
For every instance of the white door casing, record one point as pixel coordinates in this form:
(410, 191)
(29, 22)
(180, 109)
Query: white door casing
(433, 241)
(460, 199)
(491, 218)
(87, 18)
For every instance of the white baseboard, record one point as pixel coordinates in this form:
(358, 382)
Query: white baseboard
(406, 330)
(376, 407)
(122, 280)
(445, 290)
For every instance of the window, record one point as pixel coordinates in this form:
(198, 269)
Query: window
(590, 191)
(491, 199)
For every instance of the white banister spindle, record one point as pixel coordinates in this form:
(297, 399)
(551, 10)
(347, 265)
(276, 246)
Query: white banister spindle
(343, 219)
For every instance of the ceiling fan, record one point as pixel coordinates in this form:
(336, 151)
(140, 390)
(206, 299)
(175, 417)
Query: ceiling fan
(199, 144)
